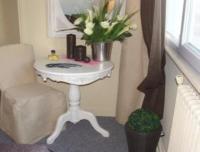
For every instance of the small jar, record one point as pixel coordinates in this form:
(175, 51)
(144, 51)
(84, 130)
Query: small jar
(53, 56)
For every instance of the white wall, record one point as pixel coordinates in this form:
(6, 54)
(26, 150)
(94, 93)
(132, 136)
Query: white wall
(99, 97)
(2, 25)
(170, 96)
(9, 26)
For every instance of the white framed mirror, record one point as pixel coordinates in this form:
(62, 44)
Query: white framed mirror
(59, 15)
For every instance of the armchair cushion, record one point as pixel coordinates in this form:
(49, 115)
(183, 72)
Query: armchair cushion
(29, 111)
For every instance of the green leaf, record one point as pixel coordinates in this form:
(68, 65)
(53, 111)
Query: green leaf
(144, 121)
(131, 15)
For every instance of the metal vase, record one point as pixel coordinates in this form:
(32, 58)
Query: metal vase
(101, 51)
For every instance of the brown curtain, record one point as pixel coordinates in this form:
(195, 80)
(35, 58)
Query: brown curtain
(153, 25)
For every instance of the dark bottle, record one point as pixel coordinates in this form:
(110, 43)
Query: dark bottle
(80, 53)
(71, 44)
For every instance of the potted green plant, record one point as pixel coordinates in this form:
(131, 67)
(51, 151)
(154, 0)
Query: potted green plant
(102, 25)
(143, 130)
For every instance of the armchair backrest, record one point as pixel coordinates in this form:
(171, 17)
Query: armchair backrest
(16, 65)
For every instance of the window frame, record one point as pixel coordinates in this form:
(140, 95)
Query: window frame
(185, 49)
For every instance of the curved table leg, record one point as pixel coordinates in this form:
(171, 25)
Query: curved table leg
(74, 115)
(93, 121)
(59, 126)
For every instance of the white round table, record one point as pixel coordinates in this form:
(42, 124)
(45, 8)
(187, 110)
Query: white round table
(75, 76)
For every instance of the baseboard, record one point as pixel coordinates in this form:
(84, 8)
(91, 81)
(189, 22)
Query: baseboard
(161, 147)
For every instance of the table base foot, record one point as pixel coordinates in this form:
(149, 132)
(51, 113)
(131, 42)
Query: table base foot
(80, 115)
(59, 127)
(93, 121)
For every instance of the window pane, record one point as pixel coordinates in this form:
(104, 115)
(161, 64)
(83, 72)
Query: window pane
(174, 17)
(194, 24)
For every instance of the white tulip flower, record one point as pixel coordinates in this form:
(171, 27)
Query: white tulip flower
(88, 31)
(111, 27)
(126, 29)
(78, 21)
(90, 15)
(87, 20)
(107, 16)
(105, 24)
(134, 27)
(90, 25)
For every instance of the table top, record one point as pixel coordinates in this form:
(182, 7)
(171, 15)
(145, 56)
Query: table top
(84, 73)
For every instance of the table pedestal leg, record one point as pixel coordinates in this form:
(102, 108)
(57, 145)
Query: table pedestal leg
(74, 115)
(93, 121)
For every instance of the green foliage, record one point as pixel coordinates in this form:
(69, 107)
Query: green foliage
(102, 25)
(144, 121)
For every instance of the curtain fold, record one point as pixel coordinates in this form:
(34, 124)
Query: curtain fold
(133, 62)
(153, 25)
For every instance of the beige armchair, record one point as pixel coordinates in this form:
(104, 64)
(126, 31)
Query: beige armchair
(28, 110)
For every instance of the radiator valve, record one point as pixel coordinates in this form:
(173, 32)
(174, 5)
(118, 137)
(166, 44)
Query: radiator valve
(179, 79)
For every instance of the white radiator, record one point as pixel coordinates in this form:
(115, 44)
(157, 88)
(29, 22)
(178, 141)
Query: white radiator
(185, 131)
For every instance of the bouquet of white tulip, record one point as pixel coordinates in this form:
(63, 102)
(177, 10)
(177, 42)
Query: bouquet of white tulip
(104, 23)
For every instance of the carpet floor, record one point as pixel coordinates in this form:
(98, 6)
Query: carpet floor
(81, 137)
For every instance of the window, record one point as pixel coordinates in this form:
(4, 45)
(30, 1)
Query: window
(193, 34)
(174, 18)
(183, 29)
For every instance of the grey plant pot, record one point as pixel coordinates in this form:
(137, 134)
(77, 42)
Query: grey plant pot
(101, 51)
(142, 142)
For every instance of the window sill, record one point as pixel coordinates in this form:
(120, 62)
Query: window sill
(189, 72)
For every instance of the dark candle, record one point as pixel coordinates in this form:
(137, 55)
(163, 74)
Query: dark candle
(80, 53)
(71, 43)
